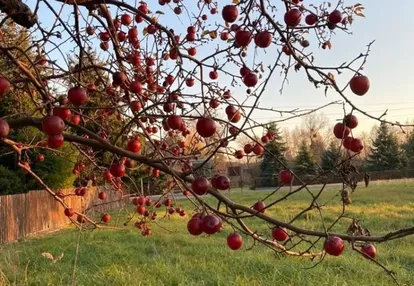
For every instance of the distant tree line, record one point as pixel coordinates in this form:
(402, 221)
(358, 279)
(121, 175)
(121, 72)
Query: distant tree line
(383, 152)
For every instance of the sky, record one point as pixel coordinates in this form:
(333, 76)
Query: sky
(389, 66)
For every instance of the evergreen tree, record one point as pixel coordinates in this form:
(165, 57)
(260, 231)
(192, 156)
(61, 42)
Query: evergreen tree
(305, 163)
(55, 171)
(385, 152)
(270, 162)
(332, 156)
(408, 148)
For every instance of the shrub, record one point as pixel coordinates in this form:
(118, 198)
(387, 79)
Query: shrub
(10, 182)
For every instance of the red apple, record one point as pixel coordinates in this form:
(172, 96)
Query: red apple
(106, 218)
(242, 38)
(53, 125)
(369, 250)
(250, 80)
(351, 121)
(259, 206)
(221, 182)
(134, 146)
(341, 131)
(280, 234)
(4, 129)
(335, 17)
(117, 170)
(347, 142)
(206, 127)
(359, 84)
(4, 86)
(334, 246)
(258, 149)
(356, 145)
(248, 148)
(195, 226)
(200, 185)
(234, 241)
(293, 17)
(102, 196)
(77, 95)
(263, 39)
(311, 19)
(230, 13)
(174, 122)
(286, 177)
(126, 19)
(69, 212)
(55, 141)
(211, 224)
(62, 112)
(40, 157)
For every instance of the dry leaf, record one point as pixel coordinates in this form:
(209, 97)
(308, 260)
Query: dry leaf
(58, 258)
(51, 258)
(236, 1)
(48, 255)
(160, 12)
(331, 76)
(328, 43)
(213, 34)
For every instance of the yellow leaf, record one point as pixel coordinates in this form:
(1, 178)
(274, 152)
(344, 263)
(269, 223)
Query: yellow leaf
(213, 34)
(236, 1)
(144, 31)
(350, 19)
(205, 32)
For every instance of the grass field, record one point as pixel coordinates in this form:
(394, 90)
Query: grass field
(108, 257)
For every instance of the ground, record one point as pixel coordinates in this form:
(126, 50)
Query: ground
(173, 257)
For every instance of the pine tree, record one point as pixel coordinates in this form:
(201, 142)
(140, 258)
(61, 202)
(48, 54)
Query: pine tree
(385, 152)
(270, 164)
(305, 163)
(332, 156)
(409, 150)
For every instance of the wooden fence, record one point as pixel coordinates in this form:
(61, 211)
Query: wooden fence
(36, 211)
(273, 181)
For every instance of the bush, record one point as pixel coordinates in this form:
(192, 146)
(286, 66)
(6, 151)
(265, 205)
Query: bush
(55, 171)
(10, 182)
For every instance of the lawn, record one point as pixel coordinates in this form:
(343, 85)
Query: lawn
(173, 257)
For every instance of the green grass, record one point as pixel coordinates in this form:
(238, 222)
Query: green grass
(124, 257)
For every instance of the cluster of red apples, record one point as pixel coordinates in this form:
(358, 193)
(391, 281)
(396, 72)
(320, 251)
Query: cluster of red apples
(359, 85)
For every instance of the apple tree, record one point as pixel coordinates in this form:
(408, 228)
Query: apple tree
(166, 72)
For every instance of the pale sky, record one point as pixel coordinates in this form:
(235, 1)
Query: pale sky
(389, 65)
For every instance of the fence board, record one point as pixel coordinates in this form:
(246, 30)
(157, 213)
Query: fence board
(36, 211)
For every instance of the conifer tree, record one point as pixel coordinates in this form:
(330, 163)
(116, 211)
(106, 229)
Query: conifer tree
(385, 152)
(270, 164)
(305, 163)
